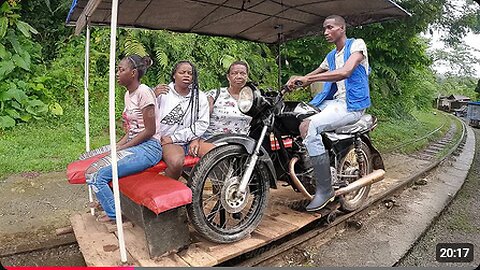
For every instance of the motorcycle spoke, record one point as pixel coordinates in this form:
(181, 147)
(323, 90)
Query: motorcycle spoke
(223, 219)
(213, 196)
(210, 216)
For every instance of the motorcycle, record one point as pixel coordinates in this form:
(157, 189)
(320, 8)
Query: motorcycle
(230, 184)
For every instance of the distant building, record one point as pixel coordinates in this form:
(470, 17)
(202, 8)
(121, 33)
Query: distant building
(473, 114)
(452, 102)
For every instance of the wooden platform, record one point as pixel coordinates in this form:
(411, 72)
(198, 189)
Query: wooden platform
(100, 247)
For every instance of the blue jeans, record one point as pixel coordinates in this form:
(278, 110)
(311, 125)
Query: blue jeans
(334, 114)
(130, 160)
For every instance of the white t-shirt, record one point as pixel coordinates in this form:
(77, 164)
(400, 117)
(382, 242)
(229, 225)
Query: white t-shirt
(132, 114)
(358, 45)
(226, 117)
(175, 119)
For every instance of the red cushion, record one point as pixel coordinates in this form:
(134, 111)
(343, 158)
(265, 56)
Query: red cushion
(157, 192)
(76, 170)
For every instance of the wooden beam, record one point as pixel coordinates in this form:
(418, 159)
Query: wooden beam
(86, 13)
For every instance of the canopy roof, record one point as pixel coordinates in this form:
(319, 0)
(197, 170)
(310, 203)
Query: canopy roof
(255, 20)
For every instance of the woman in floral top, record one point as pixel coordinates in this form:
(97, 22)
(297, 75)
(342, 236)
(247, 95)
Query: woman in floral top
(225, 117)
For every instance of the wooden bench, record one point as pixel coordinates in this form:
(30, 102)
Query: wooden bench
(152, 201)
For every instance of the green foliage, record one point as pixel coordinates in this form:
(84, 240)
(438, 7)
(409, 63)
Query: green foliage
(477, 89)
(459, 60)
(397, 134)
(456, 85)
(23, 95)
(303, 55)
(47, 16)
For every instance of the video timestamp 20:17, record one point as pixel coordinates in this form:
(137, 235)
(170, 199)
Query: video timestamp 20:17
(454, 252)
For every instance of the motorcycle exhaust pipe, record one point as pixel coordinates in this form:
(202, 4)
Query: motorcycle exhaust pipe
(368, 179)
(296, 181)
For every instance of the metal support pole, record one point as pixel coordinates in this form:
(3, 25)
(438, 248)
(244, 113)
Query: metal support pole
(279, 43)
(113, 145)
(86, 101)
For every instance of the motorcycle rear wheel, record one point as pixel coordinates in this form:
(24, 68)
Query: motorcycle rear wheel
(349, 166)
(216, 212)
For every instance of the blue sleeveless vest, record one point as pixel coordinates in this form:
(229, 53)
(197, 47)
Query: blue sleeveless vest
(357, 90)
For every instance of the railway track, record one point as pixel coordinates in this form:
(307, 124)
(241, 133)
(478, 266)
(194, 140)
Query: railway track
(332, 221)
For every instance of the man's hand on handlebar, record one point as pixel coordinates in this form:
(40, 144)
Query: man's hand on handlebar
(297, 81)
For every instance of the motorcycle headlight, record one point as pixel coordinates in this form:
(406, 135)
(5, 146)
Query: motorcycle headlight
(245, 99)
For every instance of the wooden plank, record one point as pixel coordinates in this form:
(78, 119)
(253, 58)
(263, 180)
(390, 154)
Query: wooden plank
(196, 256)
(137, 247)
(112, 227)
(274, 229)
(172, 260)
(87, 12)
(225, 252)
(99, 248)
(292, 217)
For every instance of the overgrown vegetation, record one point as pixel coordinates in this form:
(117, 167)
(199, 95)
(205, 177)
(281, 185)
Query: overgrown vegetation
(23, 94)
(401, 134)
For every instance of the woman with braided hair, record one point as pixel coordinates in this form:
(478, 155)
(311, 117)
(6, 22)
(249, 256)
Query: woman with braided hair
(184, 116)
(140, 148)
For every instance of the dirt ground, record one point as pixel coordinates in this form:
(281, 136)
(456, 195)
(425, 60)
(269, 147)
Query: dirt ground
(32, 206)
(459, 223)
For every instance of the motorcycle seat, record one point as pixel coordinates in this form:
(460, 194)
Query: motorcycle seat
(366, 123)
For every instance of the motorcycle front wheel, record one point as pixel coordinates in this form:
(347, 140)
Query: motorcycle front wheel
(218, 212)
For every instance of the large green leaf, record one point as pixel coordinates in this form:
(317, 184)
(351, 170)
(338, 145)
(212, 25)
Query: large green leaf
(18, 95)
(25, 28)
(14, 41)
(25, 117)
(162, 59)
(22, 26)
(6, 95)
(3, 26)
(6, 67)
(6, 122)
(13, 113)
(21, 62)
(3, 52)
(56, 109)
(226, 61)
(36, 107)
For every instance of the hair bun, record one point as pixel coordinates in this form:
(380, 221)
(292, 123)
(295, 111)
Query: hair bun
(147, 61)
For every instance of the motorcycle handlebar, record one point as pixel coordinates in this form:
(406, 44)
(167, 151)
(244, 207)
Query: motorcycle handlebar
(285, 89)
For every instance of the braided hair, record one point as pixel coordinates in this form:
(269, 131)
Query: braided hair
(194, 97)
(139, 63)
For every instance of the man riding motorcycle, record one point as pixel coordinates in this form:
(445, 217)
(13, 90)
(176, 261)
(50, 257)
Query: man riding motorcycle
(343, 101)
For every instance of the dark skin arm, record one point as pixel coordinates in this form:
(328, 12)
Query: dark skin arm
(150, 128)
(123, 140)
(210, 104)
(329, 76)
